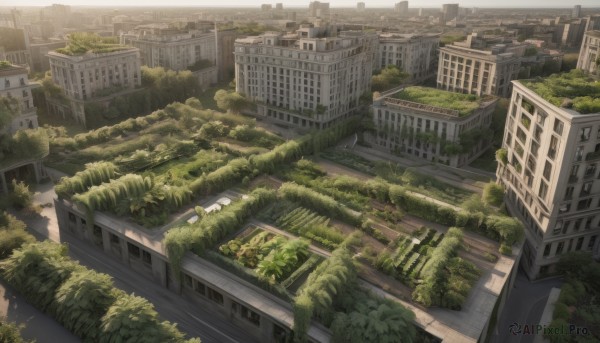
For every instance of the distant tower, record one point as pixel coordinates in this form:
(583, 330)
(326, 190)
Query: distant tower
(449, 12)
(576, 11)
(360, 6)
(402, 8)
(420, 12)
(279, 6)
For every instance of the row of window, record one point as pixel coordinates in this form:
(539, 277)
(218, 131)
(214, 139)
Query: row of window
(568, 246)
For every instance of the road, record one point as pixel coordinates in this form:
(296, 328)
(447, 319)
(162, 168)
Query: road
(191, 318)
(524, 306)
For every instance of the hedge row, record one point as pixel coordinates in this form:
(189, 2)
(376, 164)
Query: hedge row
(82, 300)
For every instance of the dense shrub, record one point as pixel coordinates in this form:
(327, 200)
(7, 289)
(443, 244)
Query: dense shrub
(84, 301)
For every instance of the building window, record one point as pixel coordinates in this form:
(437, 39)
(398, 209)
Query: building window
(250, 316)
(547, 249)
(584, 204)
(114, 238)
(553, 148)
(146, 257)
(543, 190)
(558, 126)
(590, 170)
(592, 242)
(579, 153)
(215, 296)
(200, 288)
(134, 250)
(559, 248)
(547, 170)
(584, 133)
(557, 227)
(586, 189)
(569, 193)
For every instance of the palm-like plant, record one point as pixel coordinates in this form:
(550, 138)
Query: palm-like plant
(82, 300)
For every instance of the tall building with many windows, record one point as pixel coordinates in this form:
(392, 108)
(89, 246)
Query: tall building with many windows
(415, 54)
(449, 12)
(306, 78)
(551, 169)
(589, 54)
(93, 75)
(464, 69)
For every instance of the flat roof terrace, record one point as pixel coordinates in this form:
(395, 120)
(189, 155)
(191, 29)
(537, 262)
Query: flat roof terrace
(438, 101)
(573, 90)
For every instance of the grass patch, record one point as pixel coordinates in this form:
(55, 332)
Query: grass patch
(465, 104)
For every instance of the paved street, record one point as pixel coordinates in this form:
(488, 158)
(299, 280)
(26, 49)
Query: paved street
(524, 306)
(190, 318)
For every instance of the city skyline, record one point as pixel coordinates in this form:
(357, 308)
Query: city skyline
(304, 3)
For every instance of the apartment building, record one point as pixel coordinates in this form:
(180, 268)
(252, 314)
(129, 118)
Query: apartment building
(93, 76)
(305, 78)
(165, 46)
(15, 84)
(464, 69)
(318, 9)
(551, 173)
(416, 55)
(589, 54)
(162, 45)
(406, 122)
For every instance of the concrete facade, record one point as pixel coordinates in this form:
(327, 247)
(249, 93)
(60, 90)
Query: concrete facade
(467, 70)
(589, 55)
(404, 126)
(171, 48)
(304, 80)
(95, 75)
(15, 84)
(551, 178)
(414, 54)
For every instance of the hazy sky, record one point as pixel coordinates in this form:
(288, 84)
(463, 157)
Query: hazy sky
(304, 3)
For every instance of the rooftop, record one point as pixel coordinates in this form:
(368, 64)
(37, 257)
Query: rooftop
(574, 90)
(463, 104)
(7, 69)
(82, 42)
(593, 33)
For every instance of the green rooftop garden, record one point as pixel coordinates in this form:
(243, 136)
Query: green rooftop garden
(4, 64)
(569, 90)
(298, 230)
(465, 104)
(83, 42)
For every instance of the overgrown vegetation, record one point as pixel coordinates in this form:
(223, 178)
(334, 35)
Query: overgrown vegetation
(570, 90)
(465, 104)
(389, 77)
(84, 301)
(579, 301)
(81, 42)
(446, 278)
